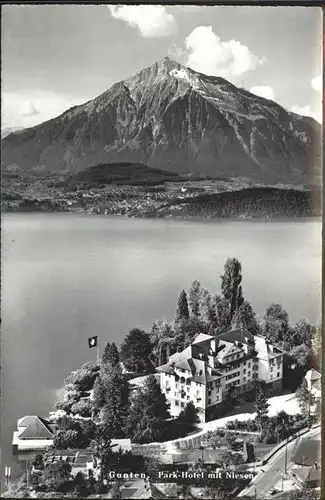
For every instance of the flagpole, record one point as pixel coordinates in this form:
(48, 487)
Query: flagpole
(98, 350)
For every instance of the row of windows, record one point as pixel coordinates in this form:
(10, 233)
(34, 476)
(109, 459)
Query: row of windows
(233, 375)
(277, 375)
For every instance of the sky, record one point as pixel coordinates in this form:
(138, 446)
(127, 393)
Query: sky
(57, 56)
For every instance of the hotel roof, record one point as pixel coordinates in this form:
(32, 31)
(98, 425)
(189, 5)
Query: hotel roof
(34, 427)
(313, 375)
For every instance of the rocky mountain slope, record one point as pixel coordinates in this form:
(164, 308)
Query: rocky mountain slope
(171, 117)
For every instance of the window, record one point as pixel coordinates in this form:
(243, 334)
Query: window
(175, 394)
(188, 398)
(249, 374)
(188, 389)
(176, 385)
(176, 403)
(271, 376)
(271, 368)
(209, 401)
(278, 374)
(244, 370)
(249, 365)
(217, 398)
(182, 405)
(244, 379)
(237, 356)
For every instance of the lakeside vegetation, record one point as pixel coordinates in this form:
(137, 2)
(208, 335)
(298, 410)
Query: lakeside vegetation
(100, 404)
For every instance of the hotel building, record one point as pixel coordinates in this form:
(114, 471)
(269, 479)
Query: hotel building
(212, 369)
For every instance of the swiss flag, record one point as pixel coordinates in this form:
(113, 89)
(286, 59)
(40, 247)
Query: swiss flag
(92, 341)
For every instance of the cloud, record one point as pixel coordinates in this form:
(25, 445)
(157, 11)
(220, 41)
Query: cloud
(207, 53)
(153, 21)
(317, 83)
(21, 110)
(308, 111)
(28, 109)
(263, 91)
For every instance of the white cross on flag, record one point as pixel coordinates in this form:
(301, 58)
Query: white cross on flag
(92, 341)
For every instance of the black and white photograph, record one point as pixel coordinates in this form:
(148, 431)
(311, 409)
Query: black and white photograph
(161, 171)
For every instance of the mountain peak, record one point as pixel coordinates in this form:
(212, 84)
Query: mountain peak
(172, 117)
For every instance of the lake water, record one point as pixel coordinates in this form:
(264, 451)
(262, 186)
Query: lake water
(66, 277)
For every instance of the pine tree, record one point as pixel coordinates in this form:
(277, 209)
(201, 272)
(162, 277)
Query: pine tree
(148, 413)
(111, 354)
(231, 285)
(116, 400)
(261, 406)
(182, 312)
(136, 350)
(194, 294)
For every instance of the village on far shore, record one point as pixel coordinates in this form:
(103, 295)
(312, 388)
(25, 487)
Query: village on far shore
(216, 401)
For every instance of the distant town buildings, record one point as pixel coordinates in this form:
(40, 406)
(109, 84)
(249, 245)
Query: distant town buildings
(213, 369)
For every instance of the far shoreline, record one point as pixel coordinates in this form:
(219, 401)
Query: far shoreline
(194, 218)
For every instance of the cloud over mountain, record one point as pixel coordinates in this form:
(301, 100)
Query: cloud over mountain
(208, 54)
(153, 21)
(263, 91)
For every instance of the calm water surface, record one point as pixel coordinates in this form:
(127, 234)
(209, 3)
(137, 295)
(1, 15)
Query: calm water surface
(66, 277)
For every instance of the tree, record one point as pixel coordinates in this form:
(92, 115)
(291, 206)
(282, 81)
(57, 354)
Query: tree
(302, 355)
(222, 314)
(302, 333)
(116, 400)
(162, 337)
(84, 377)
(189, 415)
(182, 312)
(111, 354)
(83, 408)
(276, 323)
(261, 407)
(38, 462)
(102, 449)
(282, 425)
(305, 398)
(73, 433)
(245, 316)
(148, 413)
(136, 349)
(231, 285)
(194, 295)
(207, 308)
(80, 485)
(57, 474)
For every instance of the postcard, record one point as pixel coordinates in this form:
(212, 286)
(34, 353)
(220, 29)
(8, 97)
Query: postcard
(161, 251)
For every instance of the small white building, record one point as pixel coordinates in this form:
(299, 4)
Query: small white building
(313, 379)
(33, 434)
(211, 368)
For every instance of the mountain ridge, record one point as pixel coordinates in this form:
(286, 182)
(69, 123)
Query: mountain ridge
(174, 118)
